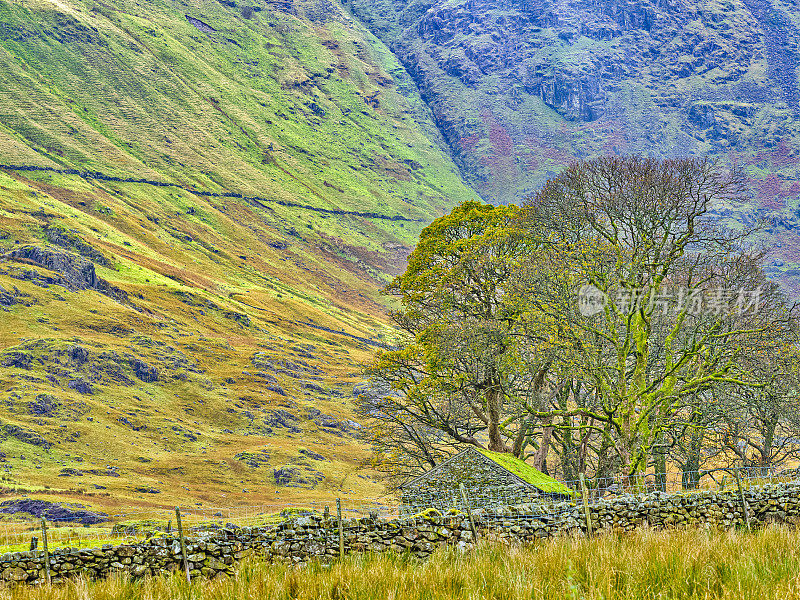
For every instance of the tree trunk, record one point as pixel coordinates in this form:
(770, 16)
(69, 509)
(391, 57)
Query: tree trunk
(569, 452)
(522, 440)
(660, 467)
(691, 473)
(494, 401)
(540, 458)
(607, 464)
(768, 433)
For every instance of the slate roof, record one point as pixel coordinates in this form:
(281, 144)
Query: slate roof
(516, 467)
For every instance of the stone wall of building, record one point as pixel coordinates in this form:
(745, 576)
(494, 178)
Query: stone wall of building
(484, 481)
(317, 537)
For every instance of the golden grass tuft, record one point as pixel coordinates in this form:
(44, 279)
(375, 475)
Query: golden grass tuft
(647, 564)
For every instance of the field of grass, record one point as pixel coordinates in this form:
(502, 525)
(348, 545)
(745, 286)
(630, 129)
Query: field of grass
(647, 564)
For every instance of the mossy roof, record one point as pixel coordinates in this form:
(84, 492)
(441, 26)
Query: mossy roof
(526, 472)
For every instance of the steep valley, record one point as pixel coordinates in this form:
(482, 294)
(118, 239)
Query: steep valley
(201, 200)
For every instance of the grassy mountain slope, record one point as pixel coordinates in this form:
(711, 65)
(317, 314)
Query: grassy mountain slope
(159, 346)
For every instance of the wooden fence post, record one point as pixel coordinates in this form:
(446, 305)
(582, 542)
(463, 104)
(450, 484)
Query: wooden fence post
(745, 510)
(341, 532)
(46, 551)
(586, 512)
(469, 512)
(183, 544)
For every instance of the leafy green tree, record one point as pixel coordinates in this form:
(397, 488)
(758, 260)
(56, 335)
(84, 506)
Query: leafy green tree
(463, 362)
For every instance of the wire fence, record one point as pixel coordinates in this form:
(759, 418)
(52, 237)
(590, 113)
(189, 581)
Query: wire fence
(493, 507)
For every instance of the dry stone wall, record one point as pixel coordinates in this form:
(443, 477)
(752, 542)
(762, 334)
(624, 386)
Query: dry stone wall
(316, 537)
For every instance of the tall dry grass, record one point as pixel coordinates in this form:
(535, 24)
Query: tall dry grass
(646, 564)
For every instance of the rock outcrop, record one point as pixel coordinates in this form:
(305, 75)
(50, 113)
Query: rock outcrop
(75, 272)
(53, 511)
(521, 87)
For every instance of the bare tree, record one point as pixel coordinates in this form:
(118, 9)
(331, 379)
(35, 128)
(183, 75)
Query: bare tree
(637, 233)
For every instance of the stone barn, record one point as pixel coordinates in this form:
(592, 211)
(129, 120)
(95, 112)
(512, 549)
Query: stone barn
(489, 478)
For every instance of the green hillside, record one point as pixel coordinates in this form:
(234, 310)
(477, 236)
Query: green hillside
(161, 344)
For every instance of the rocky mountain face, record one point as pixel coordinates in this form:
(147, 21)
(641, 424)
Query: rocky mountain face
(521, 87)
